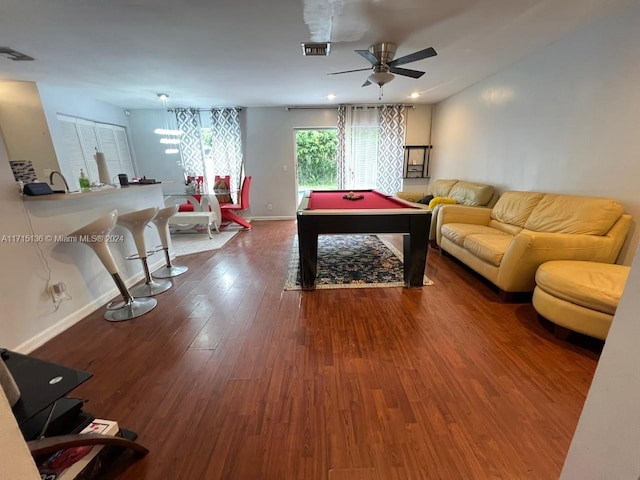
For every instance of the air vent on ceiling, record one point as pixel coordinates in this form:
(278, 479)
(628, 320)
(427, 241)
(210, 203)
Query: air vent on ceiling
(317, 49)
(14, 55)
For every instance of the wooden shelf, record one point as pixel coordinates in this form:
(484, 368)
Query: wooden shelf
(416, 161)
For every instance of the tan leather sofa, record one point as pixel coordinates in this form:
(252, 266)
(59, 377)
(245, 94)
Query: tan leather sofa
(579, 296)
(464, 193)
(507, 243)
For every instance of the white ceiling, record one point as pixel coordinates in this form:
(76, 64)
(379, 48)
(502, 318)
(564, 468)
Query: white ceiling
(247, 52)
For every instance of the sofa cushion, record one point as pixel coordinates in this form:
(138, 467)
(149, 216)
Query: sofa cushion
(470, 193)
(440, 200)
(514, 208)
(593, 285)
(489, 247)
(441, 187)
(574, 214)
(457, 232)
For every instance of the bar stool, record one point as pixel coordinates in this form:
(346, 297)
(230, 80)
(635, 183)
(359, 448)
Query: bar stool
(94, 235)
(136, 222)
(161, 221)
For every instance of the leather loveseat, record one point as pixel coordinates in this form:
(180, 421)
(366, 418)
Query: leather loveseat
(507, 243)
(464, 193)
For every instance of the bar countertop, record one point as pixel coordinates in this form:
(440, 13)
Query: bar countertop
(93, 193)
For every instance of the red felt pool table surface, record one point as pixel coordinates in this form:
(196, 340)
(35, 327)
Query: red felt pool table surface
(333, 200)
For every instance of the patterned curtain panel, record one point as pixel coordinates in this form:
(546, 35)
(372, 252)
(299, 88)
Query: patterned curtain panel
(226, 147)
(341, 148)
(191, 150)
(390, 148)
(370, 147)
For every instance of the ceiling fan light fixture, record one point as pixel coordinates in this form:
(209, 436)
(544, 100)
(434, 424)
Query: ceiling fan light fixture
(381, 78)
(167, 131)
(14, 55)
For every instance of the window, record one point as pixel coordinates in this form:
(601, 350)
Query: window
(82, 138)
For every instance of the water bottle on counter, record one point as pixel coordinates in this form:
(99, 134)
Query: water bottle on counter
(85, 185)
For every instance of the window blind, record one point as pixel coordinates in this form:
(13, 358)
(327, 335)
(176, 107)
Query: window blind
(81, 138)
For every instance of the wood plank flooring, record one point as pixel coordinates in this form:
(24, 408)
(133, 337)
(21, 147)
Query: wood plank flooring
(233, 378)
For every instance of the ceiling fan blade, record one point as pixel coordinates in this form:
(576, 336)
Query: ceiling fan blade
(349, 71)
(413, 57)
(406, 72)
(366, 83)
(368, 55)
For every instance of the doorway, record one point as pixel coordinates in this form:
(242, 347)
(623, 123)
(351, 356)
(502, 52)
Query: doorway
(316, 165)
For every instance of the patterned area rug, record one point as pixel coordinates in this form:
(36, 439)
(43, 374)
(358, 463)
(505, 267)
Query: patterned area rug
(352, 261)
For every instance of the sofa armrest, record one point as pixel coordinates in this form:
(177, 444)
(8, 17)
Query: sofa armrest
(447, 213)
(530, 249)
(413, 197)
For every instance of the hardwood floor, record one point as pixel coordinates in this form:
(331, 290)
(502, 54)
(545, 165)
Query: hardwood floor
(233, 378)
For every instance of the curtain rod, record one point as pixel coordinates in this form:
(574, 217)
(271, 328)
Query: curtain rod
(334, 107)
(201, 109)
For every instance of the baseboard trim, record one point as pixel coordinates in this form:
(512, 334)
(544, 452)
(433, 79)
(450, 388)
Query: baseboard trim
(274, 218)
(73, 318)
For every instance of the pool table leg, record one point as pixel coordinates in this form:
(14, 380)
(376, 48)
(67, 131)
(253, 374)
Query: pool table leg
(308, 251)
(415, 258)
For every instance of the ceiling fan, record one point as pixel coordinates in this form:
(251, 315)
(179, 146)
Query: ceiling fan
(384, 66)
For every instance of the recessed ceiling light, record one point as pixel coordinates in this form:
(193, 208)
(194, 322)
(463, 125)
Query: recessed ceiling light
(415, 95)
(331, 96)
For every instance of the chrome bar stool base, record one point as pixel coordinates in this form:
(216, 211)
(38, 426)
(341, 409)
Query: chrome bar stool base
(150, 289)
(169, 270)
(133, 309)
(161, 221)
(128, 307)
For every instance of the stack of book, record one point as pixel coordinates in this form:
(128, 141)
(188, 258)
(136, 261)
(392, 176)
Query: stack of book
(75, 463)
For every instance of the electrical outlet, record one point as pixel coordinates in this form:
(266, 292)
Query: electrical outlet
(269, 207)
(58, 291)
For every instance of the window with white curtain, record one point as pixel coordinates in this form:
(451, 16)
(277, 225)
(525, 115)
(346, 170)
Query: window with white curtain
(362, 139)
(82, 138)
(370, 150)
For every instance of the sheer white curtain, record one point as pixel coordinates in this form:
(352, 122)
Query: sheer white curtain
(226, 147)
(370, 141)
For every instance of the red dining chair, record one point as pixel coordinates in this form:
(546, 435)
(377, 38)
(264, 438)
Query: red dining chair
(222, 183)
(230, 210)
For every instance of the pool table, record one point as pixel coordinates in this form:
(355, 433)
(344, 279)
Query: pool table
(328, 212)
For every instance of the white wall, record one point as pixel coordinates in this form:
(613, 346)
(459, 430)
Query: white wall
(418, 133)
(151, 160)
(270, 148)
(564, 120)
(23, 121)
